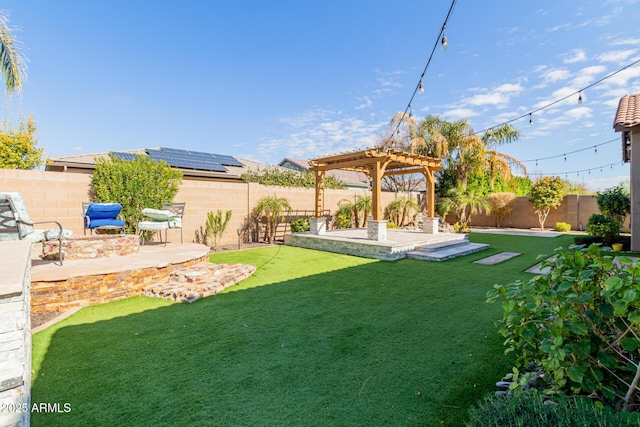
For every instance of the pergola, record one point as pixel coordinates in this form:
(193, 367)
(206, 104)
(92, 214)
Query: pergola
(378, 163)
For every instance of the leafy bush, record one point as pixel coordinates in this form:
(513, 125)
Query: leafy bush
(300, 225)
(344, 214)
(562, 227)
(532, 411)
(283, 177)
(136, 184)
(501, 205)
(580, 325)
(607, 227)
(18, 148)
(614, 202)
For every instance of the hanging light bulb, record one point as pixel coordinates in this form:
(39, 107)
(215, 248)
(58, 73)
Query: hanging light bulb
(420, 88)
(445, 43)
(530, 119)
(580, 97)
(565, 157)
(596, 149)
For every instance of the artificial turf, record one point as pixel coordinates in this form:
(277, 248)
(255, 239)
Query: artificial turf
(312, 338)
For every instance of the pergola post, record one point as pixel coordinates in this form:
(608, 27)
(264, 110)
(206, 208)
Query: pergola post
(376, 191)
(318, 223)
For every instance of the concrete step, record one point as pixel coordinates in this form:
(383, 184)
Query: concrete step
(435, 247)
(454, 251)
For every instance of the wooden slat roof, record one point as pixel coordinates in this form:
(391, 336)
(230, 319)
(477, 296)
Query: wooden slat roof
(360, 161)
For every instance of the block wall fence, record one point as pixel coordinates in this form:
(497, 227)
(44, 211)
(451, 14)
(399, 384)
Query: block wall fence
(59, 196)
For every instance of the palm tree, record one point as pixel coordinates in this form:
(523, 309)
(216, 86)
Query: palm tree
(362, 204)
(272, 207)
(399, 209)
(464, 151)
(12, 62)
(465, 203)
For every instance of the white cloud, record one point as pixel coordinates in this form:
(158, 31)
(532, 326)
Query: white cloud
(627, 41)
(576, 55)
(617, 56)
(320, 132)
(588, 75)
(367, 102)
(459, 113)
(551, 76)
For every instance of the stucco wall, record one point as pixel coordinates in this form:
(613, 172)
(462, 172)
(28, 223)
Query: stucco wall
(59, 196)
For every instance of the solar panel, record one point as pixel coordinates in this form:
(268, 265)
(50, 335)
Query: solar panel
(123, 156)
(207, 157)
(184, 159)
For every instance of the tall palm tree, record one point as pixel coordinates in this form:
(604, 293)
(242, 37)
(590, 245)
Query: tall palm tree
(12, 62)
(466, 152)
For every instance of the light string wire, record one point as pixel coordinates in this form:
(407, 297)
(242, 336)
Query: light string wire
(529, 114)
(435, 46)
(566, 173)
(571, 152)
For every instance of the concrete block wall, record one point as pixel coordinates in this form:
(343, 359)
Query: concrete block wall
(15, 333)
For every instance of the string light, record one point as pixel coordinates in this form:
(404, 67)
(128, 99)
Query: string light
(564, 155)
(577, 172)
(530, 119)
(442, 39)
(578, 92)
(580, 97)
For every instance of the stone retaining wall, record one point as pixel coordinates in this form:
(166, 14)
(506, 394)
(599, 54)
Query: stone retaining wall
(62, 295)
(15, 333)
(89, 247)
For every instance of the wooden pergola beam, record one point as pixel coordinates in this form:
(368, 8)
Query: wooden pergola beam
(377, 163)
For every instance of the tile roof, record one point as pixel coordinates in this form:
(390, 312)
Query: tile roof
(628, 114)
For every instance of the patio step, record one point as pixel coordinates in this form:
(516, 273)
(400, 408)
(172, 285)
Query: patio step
(445, 252)
(435, 247)
(192, 283)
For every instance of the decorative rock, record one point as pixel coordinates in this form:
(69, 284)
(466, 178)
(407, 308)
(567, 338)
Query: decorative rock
(200, 281)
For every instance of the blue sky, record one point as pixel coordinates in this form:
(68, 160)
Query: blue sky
(267, 80)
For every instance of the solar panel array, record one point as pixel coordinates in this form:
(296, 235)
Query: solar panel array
(216, 158)
(185, 159)
(124, 156)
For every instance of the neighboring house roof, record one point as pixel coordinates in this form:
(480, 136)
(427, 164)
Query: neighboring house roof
(191, 163)
(350, 178)
(628, 114)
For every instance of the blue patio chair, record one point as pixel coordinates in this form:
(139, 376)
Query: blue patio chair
(101, 216)
(15, 223)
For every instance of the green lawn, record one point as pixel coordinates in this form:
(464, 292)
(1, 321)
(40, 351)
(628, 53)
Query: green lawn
(312, 338)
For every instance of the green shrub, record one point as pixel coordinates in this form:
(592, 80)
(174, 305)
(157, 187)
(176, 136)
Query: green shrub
(136, 184)
(344, 214)
(607, 227)
(532, 411)
(580, 325)
(300, 225)
(562, 227)
(614, 202)
(216, 226)
(289, 178)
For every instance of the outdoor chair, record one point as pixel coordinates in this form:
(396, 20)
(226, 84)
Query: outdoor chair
(15, 223)
(101, 216)
(170, 216)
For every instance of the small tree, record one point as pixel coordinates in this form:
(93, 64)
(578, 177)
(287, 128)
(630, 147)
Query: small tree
(136, 184)
(501, 205)
(216, 226)
(465, 203)
(546, 193)
(272, 207)
(614, 202)
(344, 213)
(18, 147)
